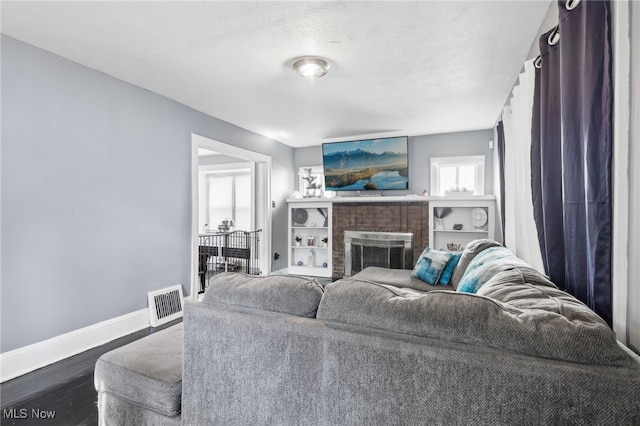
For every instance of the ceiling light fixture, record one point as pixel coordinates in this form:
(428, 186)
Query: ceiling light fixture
(311, 67)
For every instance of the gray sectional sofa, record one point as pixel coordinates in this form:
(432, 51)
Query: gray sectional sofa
(379, 348)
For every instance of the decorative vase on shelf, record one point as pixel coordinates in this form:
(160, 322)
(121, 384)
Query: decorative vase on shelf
(440, 213)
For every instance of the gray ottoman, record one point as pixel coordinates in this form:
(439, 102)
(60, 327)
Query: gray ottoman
(141, 383)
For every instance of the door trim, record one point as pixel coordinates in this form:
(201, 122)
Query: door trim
(262, 200)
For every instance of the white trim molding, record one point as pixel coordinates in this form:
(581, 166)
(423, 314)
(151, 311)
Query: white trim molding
(477, 161)
(29, 358)
(621, 238)
(263, 203)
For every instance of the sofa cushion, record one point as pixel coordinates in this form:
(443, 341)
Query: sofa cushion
(503, 285)
(430, 265)
(471, 319)
(147, 372)
(395, 277)
(288, 294)
(571, 326)
(470, 251)
(485, 265)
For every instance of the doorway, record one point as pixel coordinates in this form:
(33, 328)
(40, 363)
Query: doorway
(260, 166)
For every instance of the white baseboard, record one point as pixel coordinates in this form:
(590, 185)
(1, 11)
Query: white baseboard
(28, 358)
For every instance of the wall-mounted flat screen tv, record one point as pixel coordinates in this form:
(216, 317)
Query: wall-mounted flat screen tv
(368, 164)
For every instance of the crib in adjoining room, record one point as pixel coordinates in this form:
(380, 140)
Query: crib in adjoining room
(219, 252)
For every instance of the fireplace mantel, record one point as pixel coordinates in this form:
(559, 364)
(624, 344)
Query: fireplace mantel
(411, 198)
(365, 199)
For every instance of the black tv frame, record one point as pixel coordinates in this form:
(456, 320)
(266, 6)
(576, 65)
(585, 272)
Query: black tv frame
(363, 170)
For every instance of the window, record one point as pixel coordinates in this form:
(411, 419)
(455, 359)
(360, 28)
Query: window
(229, 198)
(317, 171)
(457, 174)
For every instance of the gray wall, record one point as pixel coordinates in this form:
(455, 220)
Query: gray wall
(96, 193)
(421, 149)
(550, 20)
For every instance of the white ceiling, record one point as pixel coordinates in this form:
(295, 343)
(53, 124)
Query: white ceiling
(397, 68)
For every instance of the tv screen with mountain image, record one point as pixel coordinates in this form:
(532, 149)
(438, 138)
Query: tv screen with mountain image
(369, 164)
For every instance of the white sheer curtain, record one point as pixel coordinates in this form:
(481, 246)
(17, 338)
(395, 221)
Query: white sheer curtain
(521, 235)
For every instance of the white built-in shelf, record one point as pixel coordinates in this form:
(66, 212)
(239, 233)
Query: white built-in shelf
(463, 231)
(318, 212)
(308, 227)
(310, 247)
(461, 214)
(313, 271)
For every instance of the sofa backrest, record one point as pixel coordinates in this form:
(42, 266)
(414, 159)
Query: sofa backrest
(288, 294)
(529, 327)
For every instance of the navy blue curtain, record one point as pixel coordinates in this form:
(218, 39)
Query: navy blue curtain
(586, 150)
(549, 206)
(573, 126)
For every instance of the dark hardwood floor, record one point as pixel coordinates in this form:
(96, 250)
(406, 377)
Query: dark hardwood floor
(62, 393)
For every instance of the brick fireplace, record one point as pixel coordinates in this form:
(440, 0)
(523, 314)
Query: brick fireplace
(379, 216)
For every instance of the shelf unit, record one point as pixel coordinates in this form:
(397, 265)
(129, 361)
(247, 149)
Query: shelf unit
(461, 208)
(311, 221)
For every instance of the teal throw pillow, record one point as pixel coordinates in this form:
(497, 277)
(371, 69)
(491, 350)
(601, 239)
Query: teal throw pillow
(447, 272)
(430, 265)
(485, 265)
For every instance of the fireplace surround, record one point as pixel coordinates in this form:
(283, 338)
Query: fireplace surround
(391, 250)
(380, 215)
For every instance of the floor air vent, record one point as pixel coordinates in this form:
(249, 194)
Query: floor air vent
(165, 305)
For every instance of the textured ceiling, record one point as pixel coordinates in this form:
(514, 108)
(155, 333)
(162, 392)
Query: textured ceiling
(397, 68)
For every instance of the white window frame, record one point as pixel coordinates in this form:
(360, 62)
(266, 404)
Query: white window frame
(315, 171)
(478, 161)
(229, 169)
(234, 198)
